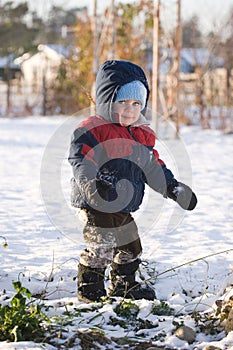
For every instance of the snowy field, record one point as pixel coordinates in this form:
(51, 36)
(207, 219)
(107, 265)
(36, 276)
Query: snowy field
(187, 256)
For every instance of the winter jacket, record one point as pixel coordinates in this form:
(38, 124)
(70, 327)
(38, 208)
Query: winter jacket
(102, 149)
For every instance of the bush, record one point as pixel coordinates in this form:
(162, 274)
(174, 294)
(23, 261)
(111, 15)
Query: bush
(21, 319)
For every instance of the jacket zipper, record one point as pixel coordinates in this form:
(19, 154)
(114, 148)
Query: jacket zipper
(131, 134)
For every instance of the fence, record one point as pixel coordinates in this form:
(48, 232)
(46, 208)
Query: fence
(204, 99)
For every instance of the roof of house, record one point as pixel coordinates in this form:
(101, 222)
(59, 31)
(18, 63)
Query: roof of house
(60, 49)
(190, 58)
(8, 61)
(50, 50)
(201, 57)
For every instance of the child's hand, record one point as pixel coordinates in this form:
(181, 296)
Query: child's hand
(183, 195)
(96, 190)
(105, 181)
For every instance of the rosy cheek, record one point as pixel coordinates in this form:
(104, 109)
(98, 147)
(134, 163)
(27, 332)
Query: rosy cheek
(116, 117)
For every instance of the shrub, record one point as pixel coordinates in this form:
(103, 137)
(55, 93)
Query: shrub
(22, 319)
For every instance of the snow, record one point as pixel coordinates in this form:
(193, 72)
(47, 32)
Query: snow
(187, 256)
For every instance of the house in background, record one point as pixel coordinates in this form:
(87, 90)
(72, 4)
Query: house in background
(203, 80)
(9, 74)
(191, 60)
(8, 68)
(37, 71)
(24, 80)
(41, 68)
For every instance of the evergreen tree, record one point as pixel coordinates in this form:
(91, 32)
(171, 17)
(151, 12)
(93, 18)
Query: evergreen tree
(191, 33)
(15, 34)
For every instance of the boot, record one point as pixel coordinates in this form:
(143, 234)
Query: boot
(123, 282)
(90, 284)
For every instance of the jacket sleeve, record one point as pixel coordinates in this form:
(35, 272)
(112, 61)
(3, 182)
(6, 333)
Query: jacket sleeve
(158, 176)
(82, 155)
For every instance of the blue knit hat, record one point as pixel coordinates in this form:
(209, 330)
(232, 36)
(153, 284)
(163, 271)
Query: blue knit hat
(134, 90)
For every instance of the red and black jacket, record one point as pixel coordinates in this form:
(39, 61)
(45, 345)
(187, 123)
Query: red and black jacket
(126, 154)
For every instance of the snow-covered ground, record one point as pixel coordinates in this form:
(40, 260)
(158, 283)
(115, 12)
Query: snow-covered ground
(187, 256)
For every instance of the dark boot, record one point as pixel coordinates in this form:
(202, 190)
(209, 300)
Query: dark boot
(123, 282)
(90, 284)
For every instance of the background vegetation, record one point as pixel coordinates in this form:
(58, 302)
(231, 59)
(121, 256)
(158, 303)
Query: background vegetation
(126, 33)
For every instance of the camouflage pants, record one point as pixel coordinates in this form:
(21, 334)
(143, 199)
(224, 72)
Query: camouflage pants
(110, 237)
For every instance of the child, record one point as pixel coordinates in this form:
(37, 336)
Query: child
(113, 158)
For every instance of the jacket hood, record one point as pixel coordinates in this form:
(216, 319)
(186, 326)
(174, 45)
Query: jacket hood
(110, 77)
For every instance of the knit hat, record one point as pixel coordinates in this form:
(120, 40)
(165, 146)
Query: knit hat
(134, 90)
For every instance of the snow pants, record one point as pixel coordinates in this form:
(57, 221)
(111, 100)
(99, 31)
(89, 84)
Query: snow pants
(110, 237)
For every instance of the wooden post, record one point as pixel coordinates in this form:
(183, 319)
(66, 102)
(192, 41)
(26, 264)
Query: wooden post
(44, 94)
(95, 51)
(177, 65)
(8, 84)
(113, 24)
(8, 94)
(155, 66)
(95, 36)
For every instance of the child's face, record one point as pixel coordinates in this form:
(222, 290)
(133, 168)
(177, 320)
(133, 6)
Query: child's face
(127, 112)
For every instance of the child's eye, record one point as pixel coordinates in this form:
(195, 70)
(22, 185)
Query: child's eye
(136, 104)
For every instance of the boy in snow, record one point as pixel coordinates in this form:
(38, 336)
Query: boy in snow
(112, 156)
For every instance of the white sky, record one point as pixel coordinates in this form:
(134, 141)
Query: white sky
(212, 13)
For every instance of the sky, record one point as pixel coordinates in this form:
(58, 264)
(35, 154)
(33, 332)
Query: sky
(211, 12)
